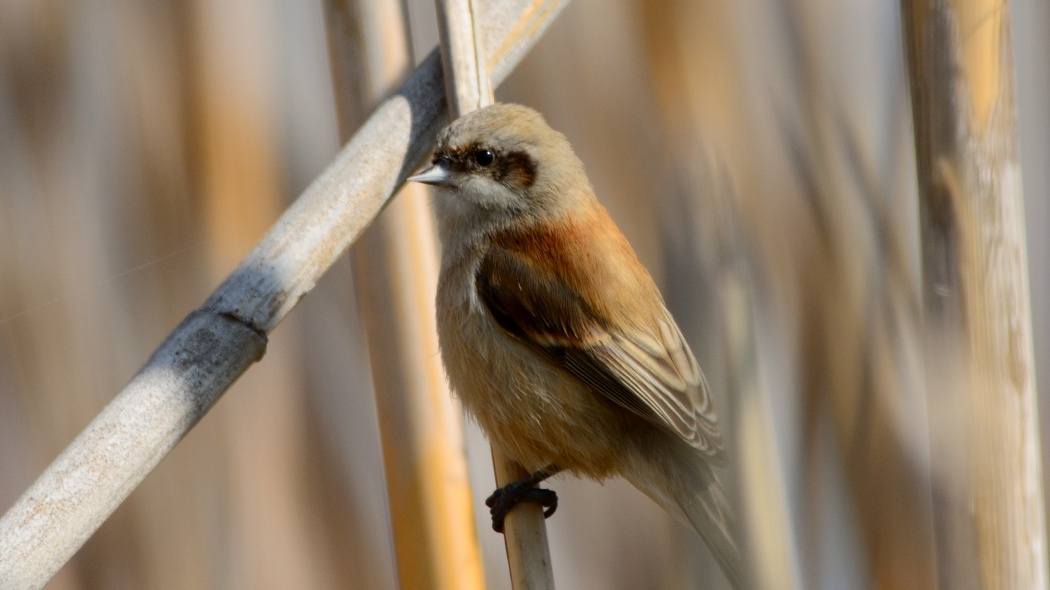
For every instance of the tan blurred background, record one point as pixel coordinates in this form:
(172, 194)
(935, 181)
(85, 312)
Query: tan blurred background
(146, 145)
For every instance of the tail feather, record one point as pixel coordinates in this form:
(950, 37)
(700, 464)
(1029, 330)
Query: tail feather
(686, 486)
(708, 511)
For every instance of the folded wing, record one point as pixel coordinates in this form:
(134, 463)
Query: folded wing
(649, 371)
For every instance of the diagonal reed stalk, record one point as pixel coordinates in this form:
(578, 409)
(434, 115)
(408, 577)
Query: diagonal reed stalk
(216, 343)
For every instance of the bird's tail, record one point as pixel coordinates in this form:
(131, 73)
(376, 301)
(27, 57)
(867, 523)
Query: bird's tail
(686, 486)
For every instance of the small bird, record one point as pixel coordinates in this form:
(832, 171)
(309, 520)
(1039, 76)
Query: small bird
(554, 336)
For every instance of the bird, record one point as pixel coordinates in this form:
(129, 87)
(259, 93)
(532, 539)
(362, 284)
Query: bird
(553, 335)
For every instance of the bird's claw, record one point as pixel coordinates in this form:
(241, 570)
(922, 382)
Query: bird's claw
(502, 500)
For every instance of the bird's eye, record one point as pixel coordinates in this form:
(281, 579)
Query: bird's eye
(483, 157)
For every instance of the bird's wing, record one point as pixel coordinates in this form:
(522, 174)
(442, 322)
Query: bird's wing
(649, 372)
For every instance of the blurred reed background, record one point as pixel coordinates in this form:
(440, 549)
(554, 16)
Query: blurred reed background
(145, 146)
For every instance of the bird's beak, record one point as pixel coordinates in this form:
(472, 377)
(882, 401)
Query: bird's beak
(436, 175)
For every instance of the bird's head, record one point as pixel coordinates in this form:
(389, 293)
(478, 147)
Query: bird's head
(504, 160)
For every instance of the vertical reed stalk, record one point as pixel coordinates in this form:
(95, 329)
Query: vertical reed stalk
(468, 88)
(395, 267)
(988, 500)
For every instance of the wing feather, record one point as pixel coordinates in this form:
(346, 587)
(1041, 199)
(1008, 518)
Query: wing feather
(649, 372)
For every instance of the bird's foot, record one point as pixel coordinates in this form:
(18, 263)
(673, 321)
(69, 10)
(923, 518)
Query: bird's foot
(502, 500)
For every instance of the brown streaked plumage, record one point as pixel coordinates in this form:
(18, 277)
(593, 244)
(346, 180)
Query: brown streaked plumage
(554, 336)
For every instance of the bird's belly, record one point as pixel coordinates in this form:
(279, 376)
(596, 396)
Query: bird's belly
(533, 411)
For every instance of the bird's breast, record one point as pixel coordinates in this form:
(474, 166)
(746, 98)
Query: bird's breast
(532, 410)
